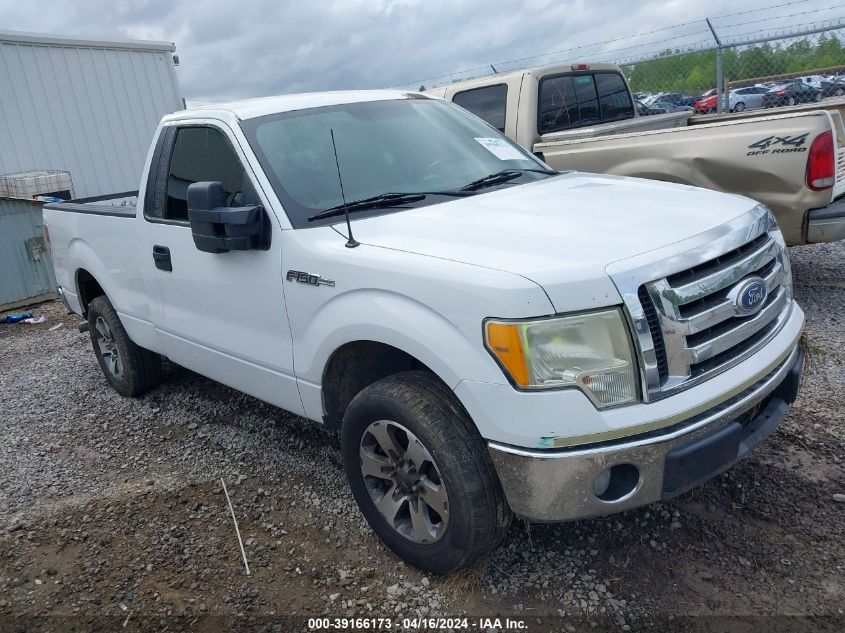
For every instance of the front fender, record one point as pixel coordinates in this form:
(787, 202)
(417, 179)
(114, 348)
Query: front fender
(396, 320)
(392, 319)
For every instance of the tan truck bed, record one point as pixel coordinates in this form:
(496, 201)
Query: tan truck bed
(719, 155)
(760, 153)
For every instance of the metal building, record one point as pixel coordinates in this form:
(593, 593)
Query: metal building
(85, 106)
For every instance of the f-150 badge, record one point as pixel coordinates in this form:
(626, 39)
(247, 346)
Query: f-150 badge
(309, 279)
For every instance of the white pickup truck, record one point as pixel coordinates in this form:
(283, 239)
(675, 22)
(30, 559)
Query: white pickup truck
(491, 337)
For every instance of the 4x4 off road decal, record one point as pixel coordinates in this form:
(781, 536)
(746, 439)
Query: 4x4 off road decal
(779, 145)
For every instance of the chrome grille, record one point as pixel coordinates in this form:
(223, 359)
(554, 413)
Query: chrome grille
(689, 321)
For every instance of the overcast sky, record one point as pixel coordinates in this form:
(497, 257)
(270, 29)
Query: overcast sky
(260, 47)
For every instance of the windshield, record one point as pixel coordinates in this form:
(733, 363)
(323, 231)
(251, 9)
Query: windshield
(396, 146)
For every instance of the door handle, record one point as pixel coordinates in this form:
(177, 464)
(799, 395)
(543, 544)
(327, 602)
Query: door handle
(161, 257)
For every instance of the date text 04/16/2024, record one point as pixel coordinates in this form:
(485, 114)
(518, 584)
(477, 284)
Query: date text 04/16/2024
(416, 624)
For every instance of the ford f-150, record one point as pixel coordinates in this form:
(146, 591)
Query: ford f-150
(492, 338)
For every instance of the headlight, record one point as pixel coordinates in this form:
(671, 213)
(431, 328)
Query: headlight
(590, 351)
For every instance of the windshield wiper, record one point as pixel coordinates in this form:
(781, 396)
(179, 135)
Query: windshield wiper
(381, 201)
(502, 176)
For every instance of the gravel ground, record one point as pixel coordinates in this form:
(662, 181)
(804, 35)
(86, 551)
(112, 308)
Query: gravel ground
(112, 513)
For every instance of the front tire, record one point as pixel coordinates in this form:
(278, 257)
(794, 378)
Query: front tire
(130, 370)
(421, 474)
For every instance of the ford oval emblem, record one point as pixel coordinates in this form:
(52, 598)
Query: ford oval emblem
(749, 296)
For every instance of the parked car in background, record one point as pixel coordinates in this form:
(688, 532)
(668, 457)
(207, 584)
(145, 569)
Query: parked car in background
(812, 80)
(832, 88)
(644, 110)
(746, 98)
(707, 104)
(675, 99)
(668, 106)
(791, 93)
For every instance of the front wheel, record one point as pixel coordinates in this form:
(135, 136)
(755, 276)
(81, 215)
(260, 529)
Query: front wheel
(818, 97)
(130, 370)
(421, 474)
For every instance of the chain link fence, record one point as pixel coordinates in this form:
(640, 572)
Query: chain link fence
(711, 72)
(745, 70)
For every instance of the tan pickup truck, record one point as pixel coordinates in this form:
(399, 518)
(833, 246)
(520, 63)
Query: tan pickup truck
(583, 117)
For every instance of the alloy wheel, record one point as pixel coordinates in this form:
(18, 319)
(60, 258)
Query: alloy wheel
(108, 348)
(404, 482)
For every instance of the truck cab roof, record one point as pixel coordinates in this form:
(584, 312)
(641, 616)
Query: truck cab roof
(538, 72)
(252, 108)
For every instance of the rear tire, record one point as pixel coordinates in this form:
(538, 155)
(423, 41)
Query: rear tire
(739, 107)
(130, 370)
(790, 101)
(437, 443)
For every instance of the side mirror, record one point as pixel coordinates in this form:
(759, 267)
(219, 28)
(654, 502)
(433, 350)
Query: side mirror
(218, 228)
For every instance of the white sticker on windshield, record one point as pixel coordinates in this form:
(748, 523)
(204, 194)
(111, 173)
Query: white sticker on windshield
(501, 149)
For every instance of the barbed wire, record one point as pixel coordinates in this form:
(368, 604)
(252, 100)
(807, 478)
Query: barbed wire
(781, 17)
(688, 47)
(774, 6)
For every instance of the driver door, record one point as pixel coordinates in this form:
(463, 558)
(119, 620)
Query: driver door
(223, 314)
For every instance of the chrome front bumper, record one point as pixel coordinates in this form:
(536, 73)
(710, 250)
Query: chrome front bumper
(558, 485)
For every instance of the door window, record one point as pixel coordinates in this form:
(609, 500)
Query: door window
(201, 154)
(487, 103)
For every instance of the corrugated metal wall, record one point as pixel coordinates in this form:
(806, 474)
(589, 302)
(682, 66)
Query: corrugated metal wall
(86, 107)
(26, 270)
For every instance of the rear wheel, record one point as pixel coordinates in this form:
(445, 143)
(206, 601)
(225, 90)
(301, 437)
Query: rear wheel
(817, 97)
(130, 370)
(790, 101)
(421, 474)
(739, 107)
(839, 92)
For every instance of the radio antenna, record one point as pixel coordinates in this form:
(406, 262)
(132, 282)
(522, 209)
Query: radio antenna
(350, 243)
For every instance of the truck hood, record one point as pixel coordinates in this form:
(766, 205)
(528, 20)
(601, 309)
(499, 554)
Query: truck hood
(560, 233)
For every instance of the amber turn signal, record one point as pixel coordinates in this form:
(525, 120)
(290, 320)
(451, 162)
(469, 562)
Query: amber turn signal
(504, 340)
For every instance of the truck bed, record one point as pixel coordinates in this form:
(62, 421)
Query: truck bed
(121, 205)
(762, 156)
(93, 234)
